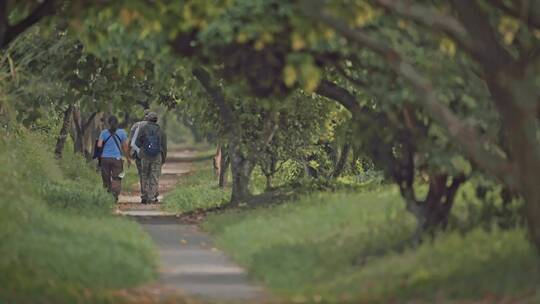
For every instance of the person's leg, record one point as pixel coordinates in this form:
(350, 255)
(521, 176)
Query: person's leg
(116, 181)
(106, 174)
(138, 162)
(153, 182)
(145, 172)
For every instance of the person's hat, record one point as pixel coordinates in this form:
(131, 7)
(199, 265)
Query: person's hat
(152, 116)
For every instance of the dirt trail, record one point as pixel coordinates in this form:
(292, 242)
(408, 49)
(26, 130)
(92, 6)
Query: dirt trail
(189, 263)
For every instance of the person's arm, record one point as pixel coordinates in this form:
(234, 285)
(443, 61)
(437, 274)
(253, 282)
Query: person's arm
(133, 128)
(140, 137)
(133, 141)
(125, 147)
(100, 140)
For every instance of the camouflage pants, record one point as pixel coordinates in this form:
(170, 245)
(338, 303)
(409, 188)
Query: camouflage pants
(138, 162)
(151, 170)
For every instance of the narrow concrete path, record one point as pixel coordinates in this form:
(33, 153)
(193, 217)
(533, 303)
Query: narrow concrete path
(189, 262)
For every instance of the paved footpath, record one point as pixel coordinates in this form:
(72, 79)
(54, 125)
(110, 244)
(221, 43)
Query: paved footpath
(189, 263)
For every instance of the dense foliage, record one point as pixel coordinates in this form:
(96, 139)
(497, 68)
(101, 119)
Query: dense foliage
(437, 97)
(248, 72)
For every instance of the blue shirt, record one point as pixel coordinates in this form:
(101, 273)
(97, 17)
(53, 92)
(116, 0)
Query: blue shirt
(110, 149)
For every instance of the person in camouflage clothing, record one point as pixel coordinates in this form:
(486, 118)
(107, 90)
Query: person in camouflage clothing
(150, 134)
(135, 150)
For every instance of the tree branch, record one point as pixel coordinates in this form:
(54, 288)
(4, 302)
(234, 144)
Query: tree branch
(463, 134)
(218, 98)
(89, 121)
(332, 91)
(451, 190)
(431, 18)
(489, 52)
(144, 104)
(44, 9)
(269, 130)
(3, 22)
(528, 14)
(77, 119)
(355, 81)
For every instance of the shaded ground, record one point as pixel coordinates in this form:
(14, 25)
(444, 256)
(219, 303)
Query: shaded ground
(189, 264)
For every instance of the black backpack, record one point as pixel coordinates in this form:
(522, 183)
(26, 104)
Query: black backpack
(152, 142)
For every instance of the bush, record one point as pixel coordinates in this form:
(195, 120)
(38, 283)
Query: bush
(482, 203)
(85, 199)
(59, 241)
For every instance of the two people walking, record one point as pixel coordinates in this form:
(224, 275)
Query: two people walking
(147, 145)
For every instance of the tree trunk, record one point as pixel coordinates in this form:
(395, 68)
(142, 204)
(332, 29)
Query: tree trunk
(521, 129)
(440, 200)
(268, 182)
(340, 165)
(222, 165)
(268, 164)
(241, 168)
(78, 138)
(64, 130)
(216, 161)
(310, 171)
(433, 212)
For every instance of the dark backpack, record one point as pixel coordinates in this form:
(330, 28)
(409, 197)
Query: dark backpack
(152, 142)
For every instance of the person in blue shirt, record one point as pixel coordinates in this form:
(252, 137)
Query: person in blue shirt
(114, 141)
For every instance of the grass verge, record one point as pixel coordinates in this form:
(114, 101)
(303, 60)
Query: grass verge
(60, 243)
(306, 250)
(197, 190)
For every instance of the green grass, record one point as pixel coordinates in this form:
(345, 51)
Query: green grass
(198, 190)
(131, 178)
(305, 250)
(60, 243)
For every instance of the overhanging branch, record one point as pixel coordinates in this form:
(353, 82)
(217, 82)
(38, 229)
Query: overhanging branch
(489, 53)
(463, 134)
(529, 13)
(431, 18)
(89, 121)
(218, 98)
(332, 91)
(44, 9)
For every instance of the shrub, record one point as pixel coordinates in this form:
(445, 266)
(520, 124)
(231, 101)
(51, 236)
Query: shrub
(59, 240)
